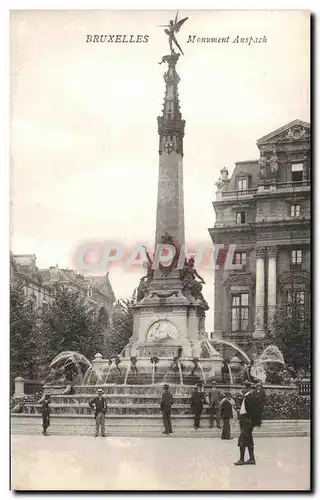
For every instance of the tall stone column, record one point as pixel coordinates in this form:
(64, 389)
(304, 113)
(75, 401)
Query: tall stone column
(259, 312)
(272, 285)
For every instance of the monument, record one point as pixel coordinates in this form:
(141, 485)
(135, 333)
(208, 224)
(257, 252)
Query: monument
(170, 310)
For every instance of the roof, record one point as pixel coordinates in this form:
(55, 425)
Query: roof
(284, 128)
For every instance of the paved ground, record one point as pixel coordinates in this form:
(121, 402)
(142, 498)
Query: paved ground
(164, 463)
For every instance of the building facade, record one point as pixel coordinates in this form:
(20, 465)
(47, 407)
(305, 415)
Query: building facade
(41, 284)
(263, 218)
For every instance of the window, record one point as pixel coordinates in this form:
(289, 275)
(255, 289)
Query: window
(242, 184)
(295, 210)
(296, 172)
(240, 312)
(294, 300)
(240, 258)
(296, 258)
(240, 217)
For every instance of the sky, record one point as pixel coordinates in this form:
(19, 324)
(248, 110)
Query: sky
(84, 141)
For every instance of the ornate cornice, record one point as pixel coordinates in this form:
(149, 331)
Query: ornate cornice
(289, 277)
(239, 279)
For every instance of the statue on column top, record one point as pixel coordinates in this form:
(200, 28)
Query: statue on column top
(174, 27)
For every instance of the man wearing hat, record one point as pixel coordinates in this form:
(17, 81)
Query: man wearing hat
(165, 407)
(249, 417)
(197, 402)
(99, 404)
(45, 411)
(214, 404)
(226, 414)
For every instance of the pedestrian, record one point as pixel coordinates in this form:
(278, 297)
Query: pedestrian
(214, 405)
(99, 404)
(165, 407)
(134, 361)
(45, 412)
(226, 413)
(197, 401)
(249, 417)
(117, 362)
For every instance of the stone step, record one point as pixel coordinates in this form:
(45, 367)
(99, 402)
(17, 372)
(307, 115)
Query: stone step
(148, 427)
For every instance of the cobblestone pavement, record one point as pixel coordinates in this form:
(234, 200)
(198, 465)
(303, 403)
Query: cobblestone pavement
(164, 463)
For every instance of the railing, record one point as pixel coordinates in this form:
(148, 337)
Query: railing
(242, 192)
(304, 387)
(252, 191)
(293, 184)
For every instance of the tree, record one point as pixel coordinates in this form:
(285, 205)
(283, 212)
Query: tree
(69, 325)
(122, 328)
(25, 340)
(291, 333)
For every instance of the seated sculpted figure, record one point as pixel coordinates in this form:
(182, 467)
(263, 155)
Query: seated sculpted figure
(190, 286)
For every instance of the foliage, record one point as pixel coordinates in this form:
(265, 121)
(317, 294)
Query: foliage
(25, 340)
(291, 334)
(283, 406)
(69, 325)
(291, 406)
(122, 328)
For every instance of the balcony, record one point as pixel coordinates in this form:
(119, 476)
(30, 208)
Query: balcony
(279, 187)
(243, 193)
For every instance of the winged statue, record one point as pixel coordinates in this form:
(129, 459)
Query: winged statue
(172, 28)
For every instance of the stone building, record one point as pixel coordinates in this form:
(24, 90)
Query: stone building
(41, 284)
(264, 210)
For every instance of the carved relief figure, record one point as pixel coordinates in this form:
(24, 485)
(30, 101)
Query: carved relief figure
(191, 288)
(162, 330)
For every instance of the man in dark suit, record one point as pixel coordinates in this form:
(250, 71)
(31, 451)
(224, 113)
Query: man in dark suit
(226, 414)
(249, 417)
(196, 403)
(99, 404)
(165, 407)
(214, 405)
(45, 411)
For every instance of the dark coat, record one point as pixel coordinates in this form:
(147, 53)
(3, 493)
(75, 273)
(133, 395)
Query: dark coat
(253, 409)
(99, 405)
(197, 401)
(226, 409)
(45, 409)
(166, 401)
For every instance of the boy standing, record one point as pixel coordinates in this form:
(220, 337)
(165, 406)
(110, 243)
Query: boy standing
(45, 411)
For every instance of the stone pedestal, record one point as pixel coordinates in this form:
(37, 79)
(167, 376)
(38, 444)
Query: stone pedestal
(162, 325)
(19, 386)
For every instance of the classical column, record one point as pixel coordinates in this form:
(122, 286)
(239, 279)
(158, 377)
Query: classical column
(272, 284)
(259, 316)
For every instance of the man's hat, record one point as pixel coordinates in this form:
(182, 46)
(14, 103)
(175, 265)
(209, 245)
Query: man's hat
(99, 391)
(166, 386)
(213, 382)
